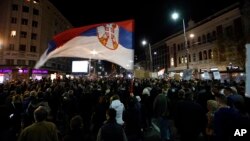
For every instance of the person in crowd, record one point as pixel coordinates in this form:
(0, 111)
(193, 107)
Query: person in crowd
(227, 119)
(190, 118)
(98, 115)
(132, 118)
(146, 91)
(203, 95)
(212, 107)
(33, 104)
(160, 114)
(41, 130)
(119, 107)
(234, 100)
(76, 132)
(70, 104)
(5, 133)
(111, 130)
(15, 115)
(26, 99)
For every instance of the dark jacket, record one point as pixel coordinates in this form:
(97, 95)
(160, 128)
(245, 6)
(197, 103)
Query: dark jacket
(111, 131)
(39, 131)
(75, 135)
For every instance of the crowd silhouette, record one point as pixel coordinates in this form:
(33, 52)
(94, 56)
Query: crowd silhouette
(122, 109)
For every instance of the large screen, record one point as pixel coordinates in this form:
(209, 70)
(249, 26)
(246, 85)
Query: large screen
(80, 66)
(1, 78)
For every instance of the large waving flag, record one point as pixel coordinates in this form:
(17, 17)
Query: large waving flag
(106, 41)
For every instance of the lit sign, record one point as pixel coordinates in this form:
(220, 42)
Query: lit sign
(5, 71)
(214, 69)
(23, 71)
(34, 71)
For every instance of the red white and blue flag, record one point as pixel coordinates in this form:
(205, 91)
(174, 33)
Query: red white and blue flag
(112, 42)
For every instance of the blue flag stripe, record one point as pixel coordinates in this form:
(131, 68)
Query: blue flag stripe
(51, 46)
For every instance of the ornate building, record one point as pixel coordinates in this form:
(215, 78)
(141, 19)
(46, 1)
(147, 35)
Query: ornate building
(26, 27)
(216, 42)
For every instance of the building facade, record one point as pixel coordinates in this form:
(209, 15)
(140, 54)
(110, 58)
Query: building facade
(216, 42)
(159, 56)
(26, 27)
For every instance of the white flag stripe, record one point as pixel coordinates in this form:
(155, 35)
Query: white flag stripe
(82, 46)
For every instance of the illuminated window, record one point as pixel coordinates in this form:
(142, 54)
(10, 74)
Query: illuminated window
(13, 33)
(172, 61)
(182, 59)
(35, 1)
(185, 59)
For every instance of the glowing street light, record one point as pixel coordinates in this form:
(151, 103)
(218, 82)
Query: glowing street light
(191, 35)
(175, 16)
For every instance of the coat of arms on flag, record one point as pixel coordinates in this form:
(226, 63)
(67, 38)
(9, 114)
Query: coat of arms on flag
(108, 35)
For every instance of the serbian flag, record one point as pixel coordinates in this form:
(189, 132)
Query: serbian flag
(112, 42)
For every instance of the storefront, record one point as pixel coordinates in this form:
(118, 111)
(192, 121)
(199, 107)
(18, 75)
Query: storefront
(5, 75)
(38, 74)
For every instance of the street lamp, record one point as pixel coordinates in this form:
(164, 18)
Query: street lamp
(144, 43)
(176, 16)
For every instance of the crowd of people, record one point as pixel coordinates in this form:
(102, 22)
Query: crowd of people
(117, 109)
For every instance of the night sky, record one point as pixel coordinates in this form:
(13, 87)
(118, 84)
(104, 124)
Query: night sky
(152, 17)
